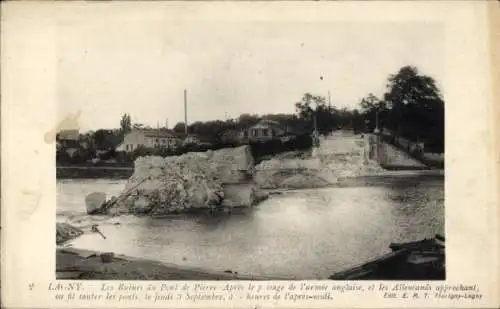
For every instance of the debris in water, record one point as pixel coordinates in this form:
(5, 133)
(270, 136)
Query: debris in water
(95, 229)
(107, 257)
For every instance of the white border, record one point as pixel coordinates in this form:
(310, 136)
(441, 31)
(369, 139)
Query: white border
(29, 33)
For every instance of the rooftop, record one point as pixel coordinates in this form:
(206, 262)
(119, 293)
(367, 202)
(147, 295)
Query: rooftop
(68, 135)
(269, 122)
(159, 133)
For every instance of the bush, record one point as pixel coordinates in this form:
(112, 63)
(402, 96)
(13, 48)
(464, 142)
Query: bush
(261, 149)
(62, 157)
(110, 154)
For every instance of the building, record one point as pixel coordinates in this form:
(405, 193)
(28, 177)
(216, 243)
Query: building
(263, 130)
(67, 139)
(149, 138)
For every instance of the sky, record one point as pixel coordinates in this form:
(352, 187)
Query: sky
(114, 64)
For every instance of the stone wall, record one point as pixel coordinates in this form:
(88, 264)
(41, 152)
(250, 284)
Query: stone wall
(390, 155)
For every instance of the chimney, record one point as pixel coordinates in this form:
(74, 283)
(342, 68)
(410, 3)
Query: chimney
(185, 112)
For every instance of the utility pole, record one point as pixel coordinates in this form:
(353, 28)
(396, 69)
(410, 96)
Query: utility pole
(316, 119)
(377, 123)
(330, 112)
(185, 113)
(157, 144)
(315, 124)
(329, 101)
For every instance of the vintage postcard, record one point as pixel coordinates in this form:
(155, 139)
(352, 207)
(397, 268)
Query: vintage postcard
(248, 155)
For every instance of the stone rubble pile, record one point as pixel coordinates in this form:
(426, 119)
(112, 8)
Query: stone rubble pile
(348, 157)
(233, 164)
(337, 157)
(289, 173)
(229, 178)
(66, 232)
(350, 165)
(302, 180)
(180, 183)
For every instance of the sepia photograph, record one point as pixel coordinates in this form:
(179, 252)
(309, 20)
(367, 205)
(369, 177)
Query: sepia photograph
(249, 150)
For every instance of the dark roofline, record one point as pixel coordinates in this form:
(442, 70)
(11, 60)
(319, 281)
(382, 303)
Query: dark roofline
(157, 133)
(270, 123)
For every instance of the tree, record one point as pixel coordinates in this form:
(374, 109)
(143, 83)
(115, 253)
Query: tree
(370, 102)
(357, 121)
(247, 120)
(373, 109)
(303, 107)
(106, 139)
(125, 124)
(311, 107)
(416, 106)
(179, 127)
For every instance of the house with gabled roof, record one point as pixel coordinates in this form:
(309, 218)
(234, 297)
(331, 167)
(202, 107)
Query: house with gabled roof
(263, 130)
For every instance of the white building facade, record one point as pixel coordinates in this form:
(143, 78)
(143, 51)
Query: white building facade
(149, 138)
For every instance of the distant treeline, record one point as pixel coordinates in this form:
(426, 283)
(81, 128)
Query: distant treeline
(259, 149)
(89, 172)
(412, 107)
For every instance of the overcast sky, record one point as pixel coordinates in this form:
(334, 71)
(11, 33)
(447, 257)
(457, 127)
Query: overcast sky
(142, 66)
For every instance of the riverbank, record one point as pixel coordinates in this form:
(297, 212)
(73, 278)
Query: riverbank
(294, 234)
(93, 172)
(387, 178)
(79, 264)
(84, 172)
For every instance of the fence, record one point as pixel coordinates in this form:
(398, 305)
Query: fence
(415, 150)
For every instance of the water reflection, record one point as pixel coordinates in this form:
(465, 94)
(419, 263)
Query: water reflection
(306, 234)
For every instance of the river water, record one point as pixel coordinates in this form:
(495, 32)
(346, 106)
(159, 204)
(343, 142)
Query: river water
(304, 234)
